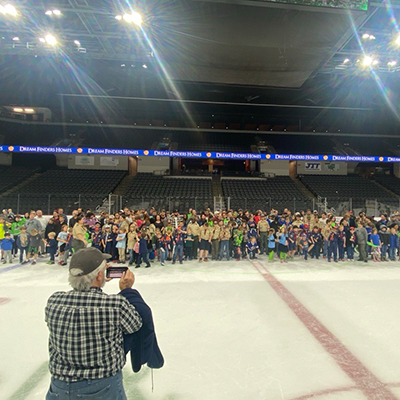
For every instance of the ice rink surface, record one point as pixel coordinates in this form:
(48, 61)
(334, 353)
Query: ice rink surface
(231, 330)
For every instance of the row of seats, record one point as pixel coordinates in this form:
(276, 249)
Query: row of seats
(158, 186)
(280, 187)
(73, 182)
(345, 186)
(12, 176)
(390, 182)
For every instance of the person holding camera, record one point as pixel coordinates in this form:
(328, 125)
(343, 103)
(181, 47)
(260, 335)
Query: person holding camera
(86, 328)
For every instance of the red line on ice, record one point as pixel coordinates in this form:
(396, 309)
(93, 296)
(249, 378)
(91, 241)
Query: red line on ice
(365, 380)
(4, 300)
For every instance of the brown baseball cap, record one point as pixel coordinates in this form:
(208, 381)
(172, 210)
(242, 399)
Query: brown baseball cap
(86, 260)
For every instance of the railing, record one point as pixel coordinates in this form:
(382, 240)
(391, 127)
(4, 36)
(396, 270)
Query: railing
(24, 202)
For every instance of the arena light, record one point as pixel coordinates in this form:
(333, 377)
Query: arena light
(29, 110)
(77, 42)
(43, 40)
(8, 9)
(346, 61)
(391, 63)
(51, 40)
(367, 62)
(397, 41)
(18, 109)
(16, 39)
(365, 36)
(144, 66)
(375, 62)
(133, 18)
(53, 12)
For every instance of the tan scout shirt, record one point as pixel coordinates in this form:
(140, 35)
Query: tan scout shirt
(225, 233)
(195, 229)
(263, 226)
(205, 232)
(216, 232)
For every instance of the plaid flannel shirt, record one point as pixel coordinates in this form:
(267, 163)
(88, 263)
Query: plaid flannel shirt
(86, 331)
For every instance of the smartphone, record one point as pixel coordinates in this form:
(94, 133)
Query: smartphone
(115, 272)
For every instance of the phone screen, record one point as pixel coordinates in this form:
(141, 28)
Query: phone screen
(115, 272)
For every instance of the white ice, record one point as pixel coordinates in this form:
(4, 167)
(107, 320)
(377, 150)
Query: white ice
(224, 332)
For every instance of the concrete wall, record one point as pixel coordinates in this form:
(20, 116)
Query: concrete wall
(276, 167)
(321, 168)
(151, 164)
(98, 162)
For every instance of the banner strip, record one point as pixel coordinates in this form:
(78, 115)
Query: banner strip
(193, 154)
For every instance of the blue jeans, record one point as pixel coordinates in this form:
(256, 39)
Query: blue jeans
(145, 257)
(332, 251)
(99, 389)
(224, 249)
(22, 250)
(325, 249)
(392, 253)
(350, 252)
(178, 251)
(305, 252)
(341, 250)
(384, 250)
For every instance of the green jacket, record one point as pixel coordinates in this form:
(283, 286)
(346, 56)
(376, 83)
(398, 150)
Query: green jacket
(237, 237)
(16, 227)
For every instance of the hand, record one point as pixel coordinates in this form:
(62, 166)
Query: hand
(127, 280)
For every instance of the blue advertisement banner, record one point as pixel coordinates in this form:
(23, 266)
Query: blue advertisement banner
(193, 154)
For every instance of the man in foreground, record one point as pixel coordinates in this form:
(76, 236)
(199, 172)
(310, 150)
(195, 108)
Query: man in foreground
(86, 328)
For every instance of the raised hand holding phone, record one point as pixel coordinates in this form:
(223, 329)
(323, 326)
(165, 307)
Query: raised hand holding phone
(127, 280)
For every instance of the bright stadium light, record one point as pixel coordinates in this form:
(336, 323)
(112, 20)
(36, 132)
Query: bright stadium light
(77, 42)
(392, 63)
(18, 109)
(51, 40)
(133, 18)
(8, 9)
(367, 61)
(29, 110)
(375, 62)
(16, 38)
(57, 12)
(365, 36)
(49, 12)
(144, 66)
(397, 41)
(346, 61)
(43, 40)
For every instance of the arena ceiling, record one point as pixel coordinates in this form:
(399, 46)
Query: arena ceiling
(237, 42)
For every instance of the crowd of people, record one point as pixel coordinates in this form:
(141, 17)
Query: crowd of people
(142, 236)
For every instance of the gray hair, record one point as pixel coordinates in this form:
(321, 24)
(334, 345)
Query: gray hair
(82, 283)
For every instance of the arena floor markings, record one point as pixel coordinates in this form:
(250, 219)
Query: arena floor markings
(232, 330)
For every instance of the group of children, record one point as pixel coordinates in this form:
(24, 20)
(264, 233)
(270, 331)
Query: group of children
(218, 236)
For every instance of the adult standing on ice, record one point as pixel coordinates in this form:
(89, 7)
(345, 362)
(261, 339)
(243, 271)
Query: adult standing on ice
(86, 332)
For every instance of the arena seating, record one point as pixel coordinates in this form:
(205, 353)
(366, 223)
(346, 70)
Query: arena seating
(12, 176)
(390, 182)
(160, 190)
(278, 192)
(64, 188)
(353, 186)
